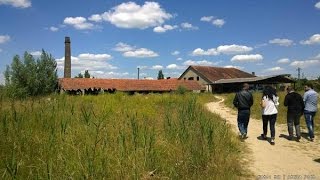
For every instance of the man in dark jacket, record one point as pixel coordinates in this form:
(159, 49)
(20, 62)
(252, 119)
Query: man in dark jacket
(243, 100)
(295, 105)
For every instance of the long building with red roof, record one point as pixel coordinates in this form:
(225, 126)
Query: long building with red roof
(85, 85)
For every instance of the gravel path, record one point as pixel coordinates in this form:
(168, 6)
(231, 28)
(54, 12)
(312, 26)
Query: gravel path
(285, 160)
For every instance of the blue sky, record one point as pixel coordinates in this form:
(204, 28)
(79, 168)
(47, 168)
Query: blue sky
(111, 38)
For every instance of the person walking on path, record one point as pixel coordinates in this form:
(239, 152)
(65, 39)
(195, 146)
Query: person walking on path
(310, 99)
(295, 105)
(243, 101)
(269, 103)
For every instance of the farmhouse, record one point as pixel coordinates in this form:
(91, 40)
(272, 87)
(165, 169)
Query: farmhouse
(219, 79)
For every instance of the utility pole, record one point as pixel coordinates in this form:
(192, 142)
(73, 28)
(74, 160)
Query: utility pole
(138, 72)
(299, 70)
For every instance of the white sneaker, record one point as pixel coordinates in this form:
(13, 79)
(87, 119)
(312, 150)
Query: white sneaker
(272, 141)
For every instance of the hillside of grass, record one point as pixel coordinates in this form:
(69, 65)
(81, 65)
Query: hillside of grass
(282, 110)
(116, 136)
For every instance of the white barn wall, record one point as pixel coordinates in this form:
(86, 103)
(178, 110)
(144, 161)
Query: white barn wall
(190, 73)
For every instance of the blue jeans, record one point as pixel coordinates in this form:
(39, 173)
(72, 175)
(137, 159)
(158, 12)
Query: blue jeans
(309, 116)
(243, 120)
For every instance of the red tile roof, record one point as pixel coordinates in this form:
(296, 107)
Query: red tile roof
(127, 84)
(215, 73)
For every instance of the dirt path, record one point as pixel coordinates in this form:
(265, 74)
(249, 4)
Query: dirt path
(285, 160)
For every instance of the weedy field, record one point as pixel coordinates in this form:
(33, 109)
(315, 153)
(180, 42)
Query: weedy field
(282, 110)
(116, 136)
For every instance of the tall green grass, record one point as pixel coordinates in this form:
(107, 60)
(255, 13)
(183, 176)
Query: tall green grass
(282, 110)
(116, 137)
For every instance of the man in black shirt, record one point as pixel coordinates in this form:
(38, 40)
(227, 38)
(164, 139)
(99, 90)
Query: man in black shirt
(243, 101)
(294, 102)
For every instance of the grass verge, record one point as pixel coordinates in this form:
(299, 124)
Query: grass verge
(116, 137)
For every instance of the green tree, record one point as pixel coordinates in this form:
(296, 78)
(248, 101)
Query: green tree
(86, 74)
(31, 77)
(160, 75)
(30, 71)
(79, 75)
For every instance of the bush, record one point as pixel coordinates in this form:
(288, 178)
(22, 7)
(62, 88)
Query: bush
(181, 90)
(31, 77)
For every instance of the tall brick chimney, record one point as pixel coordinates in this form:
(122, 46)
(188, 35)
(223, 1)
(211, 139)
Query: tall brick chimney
(67, 58)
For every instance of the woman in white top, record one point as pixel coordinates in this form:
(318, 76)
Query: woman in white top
(269, 103)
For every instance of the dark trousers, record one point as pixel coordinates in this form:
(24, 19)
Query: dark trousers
(293, 118)
(243, 120)
(272, 121)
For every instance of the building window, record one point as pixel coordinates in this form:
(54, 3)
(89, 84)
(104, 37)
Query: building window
(184, 78)
(190, 78)
(198, 78)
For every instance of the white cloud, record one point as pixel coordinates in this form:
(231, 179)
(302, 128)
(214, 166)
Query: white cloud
(36, 53)
(173, 74)
(157, 67)
(143, 74)
(174, 66)
(123, 47)
(247, 58)
(79, 23)
(214, 20)
(109, 74)
(201, 52)
(132, 15)
(95, 18)
(140, 53)
(175, 53)
(131, 51)
(233, 49)
(201, 63)
(283, 61)
(224, 49)
(206, 18)
(218, 22)
(179, 59)
(142, 67)
(260, 45)
(188, 26)
(87, 61)
(17, 3)
(318, 56)
(53, 29)
(305, 63)
(274, 69)
(314, 39)
(95, 57)
(231, 66)
(317, 5)
(4, 39)
(162, 29)
(281, 42)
